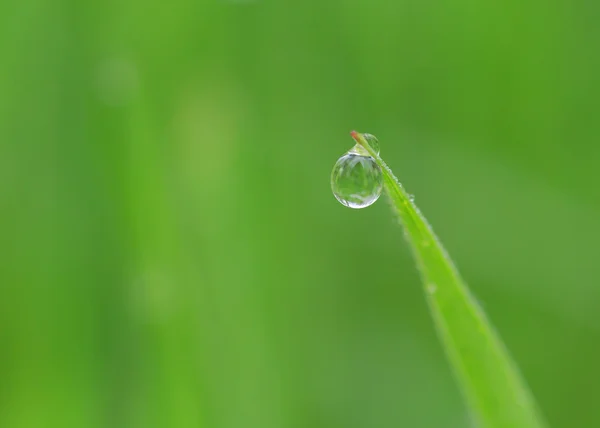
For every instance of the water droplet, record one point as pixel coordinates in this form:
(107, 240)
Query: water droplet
(373, 142)
(356, 180)
(411, 197)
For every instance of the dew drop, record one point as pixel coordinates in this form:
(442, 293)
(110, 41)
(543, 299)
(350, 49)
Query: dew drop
(373, 142)
(431, 288)
(356, 180)
(411, 197)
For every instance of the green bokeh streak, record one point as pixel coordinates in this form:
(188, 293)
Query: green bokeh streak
(172, 255)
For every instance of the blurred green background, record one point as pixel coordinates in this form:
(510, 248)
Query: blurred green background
(172, 255)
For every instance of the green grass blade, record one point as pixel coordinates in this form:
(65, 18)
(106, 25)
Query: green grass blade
(495, 391)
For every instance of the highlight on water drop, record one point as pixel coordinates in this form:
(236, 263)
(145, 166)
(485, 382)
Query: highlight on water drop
(356, 179)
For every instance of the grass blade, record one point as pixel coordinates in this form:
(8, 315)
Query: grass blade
(495, 391)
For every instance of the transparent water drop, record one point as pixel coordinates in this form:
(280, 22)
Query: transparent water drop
(431, 288)
(411, 197)
(356, 179)
(373, 142)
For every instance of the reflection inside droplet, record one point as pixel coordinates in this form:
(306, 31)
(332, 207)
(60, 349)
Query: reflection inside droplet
(356, 180)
